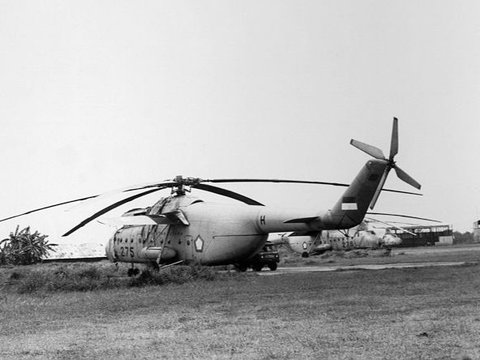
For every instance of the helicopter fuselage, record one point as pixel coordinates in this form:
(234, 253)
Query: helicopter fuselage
(208, 233)
(216, 234)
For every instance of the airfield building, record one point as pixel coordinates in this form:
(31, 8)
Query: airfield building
(424, 235)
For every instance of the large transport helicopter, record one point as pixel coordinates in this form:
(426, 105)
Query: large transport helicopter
(182, 228)
(363, 236)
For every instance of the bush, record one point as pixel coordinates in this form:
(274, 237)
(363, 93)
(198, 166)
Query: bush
(24, 248)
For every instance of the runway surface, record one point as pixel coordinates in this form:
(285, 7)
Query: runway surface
(418, 257)
(299, 269)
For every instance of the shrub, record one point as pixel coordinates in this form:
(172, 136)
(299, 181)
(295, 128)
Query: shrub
(24, 248)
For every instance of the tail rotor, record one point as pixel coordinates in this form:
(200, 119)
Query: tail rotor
(378, 154)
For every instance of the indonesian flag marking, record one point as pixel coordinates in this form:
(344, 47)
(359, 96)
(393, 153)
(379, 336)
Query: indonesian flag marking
(349, 203)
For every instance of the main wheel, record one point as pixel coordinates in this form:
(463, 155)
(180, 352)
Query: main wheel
(241, 267)
(257, 267)
(273, 266)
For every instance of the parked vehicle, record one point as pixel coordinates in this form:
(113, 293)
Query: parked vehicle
(268, 256)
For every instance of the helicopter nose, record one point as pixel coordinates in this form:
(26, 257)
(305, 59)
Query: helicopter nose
(110, 250)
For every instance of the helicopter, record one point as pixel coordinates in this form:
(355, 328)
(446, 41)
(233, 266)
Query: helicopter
(364, 237)
(338, 240)
(182, 228)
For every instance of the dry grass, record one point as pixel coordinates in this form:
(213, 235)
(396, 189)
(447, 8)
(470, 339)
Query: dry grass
(425, 313)
(466, 253)
(89, 277)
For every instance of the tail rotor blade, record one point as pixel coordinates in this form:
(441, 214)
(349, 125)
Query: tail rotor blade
(394, 142)
(369, 149)
(407, 178)
(379, 188)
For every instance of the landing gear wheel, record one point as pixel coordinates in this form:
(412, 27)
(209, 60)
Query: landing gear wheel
(133, 272)
(272, 266)
(257, 267)
(241, 267)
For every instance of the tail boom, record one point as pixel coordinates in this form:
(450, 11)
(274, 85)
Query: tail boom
(351, 208)
(348, 212)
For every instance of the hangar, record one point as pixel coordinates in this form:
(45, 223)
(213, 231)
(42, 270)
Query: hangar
(424, 235)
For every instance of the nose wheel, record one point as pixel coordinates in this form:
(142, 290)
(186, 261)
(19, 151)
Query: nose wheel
(133, 272)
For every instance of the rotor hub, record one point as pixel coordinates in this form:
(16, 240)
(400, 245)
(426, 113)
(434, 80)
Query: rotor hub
(188, 181)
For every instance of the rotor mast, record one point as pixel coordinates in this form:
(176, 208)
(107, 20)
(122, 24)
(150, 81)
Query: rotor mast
(184, 185)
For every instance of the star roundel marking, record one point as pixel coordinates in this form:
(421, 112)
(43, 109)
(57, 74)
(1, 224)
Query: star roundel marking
(304, 245)
(199, 244)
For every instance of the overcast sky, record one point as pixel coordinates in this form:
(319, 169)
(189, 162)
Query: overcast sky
(98, 95)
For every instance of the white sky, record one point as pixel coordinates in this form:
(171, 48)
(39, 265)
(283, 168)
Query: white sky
(98, 95)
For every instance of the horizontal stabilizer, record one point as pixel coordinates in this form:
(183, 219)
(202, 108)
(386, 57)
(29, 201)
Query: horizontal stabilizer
(301, 220)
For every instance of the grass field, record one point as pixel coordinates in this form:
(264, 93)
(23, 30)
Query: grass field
(424, 313)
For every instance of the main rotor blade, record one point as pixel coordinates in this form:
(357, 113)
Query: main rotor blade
(105, 195)
(404, 216)
(393, 225)
(49, 206)
(402, 192)
(379, 188)
(111, 207)
(163, 184)
(287, 181)
(394, 141)
(407, 178)
(227, 193)
(369, 149)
